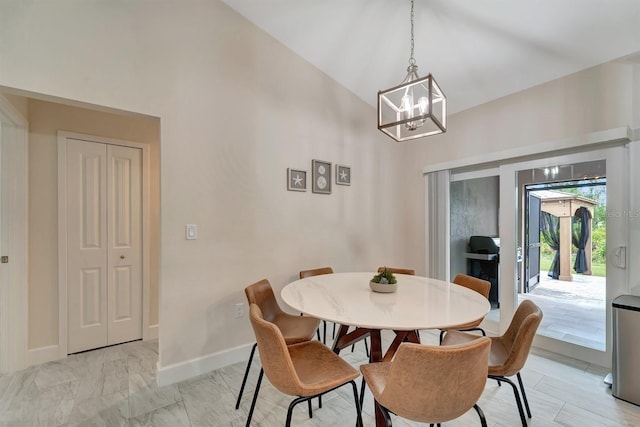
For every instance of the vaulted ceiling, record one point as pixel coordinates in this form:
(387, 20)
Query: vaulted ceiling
(477, 50)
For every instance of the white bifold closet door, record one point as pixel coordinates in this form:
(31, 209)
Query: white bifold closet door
(104, 252)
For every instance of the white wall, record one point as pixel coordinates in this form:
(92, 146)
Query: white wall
(236, 109)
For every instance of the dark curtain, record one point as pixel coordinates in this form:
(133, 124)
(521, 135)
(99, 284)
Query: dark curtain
(579, 238)
(550, 230)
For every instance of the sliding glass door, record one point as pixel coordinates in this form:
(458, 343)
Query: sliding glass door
(560, 186)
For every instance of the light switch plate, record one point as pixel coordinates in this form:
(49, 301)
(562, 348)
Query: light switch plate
(191, 232)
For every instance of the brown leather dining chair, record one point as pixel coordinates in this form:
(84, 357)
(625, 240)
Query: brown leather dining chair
(308, 369)
(480, 286)
(430, 384)
(294, 329)
(317, 272)
(395, 270)
(509, 352)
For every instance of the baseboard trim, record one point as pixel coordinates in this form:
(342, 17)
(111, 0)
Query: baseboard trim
(151, 333)
(201, 365)
(37, 356)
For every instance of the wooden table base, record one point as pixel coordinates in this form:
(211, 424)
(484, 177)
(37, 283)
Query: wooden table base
(346, 339)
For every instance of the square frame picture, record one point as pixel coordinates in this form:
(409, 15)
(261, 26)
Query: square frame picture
(343, 175)
(321, 175)
(296, 180)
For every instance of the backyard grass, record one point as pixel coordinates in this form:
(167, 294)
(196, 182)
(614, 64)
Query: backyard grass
(599, 270)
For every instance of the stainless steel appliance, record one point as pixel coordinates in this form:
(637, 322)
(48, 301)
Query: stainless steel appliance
(626, 348)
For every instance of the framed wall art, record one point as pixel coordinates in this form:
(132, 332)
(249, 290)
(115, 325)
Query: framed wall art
(343, 175)
(321, 176)
(296, 180)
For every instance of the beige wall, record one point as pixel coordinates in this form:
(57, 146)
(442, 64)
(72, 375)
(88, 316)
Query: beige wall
(45, 120)
(236, 110)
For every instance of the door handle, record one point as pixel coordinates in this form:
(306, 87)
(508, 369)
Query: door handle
(620, 257)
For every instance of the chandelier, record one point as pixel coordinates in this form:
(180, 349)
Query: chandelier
(415, 108)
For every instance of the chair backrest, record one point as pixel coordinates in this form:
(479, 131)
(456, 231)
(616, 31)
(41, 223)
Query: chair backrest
(274, 354)
(261, 294)
(480, 286)
(398, 270)
(432, 384)
(519, 336)
(316, 272)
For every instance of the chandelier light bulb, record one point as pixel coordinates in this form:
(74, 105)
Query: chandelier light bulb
(423, 105)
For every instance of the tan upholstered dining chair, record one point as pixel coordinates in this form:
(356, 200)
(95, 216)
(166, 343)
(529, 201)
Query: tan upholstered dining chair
(430, 384)
(307, 370)
(395, 270)
(480, 286)
(294, 329)
(509, 352)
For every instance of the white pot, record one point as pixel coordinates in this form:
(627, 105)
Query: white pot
(383, 287)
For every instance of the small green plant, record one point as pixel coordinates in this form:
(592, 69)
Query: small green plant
(385, 277)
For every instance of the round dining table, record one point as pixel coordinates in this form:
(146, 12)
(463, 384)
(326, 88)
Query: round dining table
(418, 303)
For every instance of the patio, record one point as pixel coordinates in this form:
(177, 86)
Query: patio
(573, 311)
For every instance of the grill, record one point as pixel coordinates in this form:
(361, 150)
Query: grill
(483, 261)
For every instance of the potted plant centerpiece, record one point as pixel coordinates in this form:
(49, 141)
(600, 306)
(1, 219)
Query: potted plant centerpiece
(384, 281)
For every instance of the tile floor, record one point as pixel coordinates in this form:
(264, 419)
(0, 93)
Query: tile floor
(116, 386)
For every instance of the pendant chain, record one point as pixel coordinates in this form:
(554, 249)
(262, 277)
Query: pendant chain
(412, 60)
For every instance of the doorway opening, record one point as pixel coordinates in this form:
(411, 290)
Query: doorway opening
(564, 268)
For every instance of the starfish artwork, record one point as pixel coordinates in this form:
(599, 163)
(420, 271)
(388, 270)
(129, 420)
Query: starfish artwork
(296, 180)
(343, 175)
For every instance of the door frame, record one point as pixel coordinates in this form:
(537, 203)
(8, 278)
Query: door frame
(14, 191)
(617, 159)
(526, 243)
(148, 331)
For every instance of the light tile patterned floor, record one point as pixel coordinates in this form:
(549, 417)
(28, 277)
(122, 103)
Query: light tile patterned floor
(115, 386)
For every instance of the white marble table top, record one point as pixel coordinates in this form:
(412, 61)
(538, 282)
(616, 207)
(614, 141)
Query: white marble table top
(419, 302)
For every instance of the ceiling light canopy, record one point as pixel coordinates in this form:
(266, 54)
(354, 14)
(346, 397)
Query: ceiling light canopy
(415, 108)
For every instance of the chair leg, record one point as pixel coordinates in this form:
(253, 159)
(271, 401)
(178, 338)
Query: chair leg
(246, 374)
(324, 333)
(255, 397)
(524, 395)
(366, 347)
(362, 387)
(292, 405)
(516, 394)
(308, 399)
(441, 336)
(358, 405)
(483, 420)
